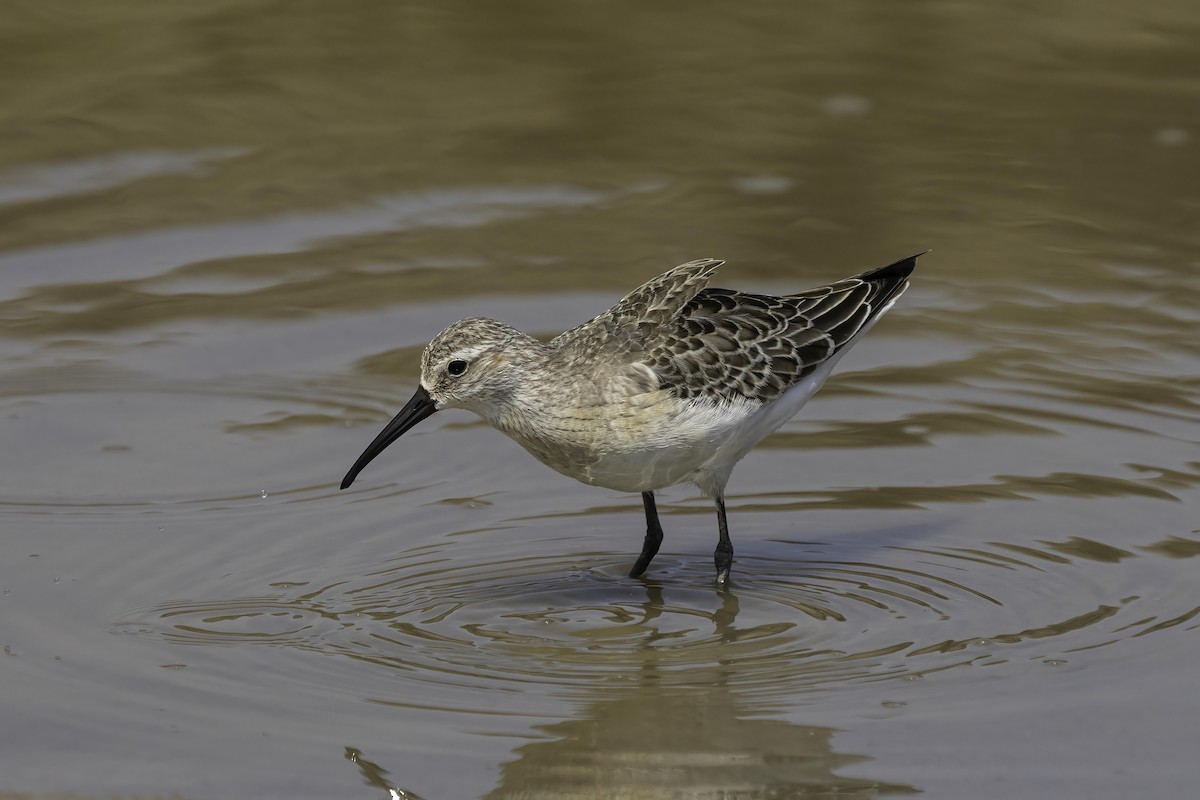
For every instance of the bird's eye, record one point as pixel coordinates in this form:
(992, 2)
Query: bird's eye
(456, 367)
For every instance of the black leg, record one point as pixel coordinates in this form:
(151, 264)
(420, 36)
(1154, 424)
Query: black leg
(653, 536)
(723, 556)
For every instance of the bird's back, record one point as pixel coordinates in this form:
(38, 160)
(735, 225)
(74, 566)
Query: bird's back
(722, 344)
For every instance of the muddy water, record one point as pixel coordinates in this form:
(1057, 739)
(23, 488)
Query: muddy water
(968, 569)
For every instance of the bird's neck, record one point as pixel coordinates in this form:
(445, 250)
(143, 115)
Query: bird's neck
(513, 401)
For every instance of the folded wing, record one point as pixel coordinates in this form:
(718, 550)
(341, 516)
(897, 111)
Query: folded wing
(726, 345)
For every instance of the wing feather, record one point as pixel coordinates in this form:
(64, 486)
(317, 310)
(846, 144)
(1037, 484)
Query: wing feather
(726, 345)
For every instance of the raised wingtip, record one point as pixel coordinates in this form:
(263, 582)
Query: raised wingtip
(704, 267)
(895, 271)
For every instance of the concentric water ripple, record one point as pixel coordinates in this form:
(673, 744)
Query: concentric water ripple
(792, 621)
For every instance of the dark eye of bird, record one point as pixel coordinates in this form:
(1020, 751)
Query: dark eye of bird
(456, 367)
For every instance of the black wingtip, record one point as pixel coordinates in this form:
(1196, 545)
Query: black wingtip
(895, 272)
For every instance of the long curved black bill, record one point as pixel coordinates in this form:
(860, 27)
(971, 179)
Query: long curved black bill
(418, 408)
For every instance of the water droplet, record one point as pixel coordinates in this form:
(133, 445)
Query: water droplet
(846, 105)
(763, 184)
(1171, 137)
(263, 492)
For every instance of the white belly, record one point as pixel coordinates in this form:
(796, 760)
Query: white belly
(648, 442)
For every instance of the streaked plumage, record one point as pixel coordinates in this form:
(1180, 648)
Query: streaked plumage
(675, 383)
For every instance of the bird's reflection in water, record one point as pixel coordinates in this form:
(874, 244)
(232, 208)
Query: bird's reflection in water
(681, 733)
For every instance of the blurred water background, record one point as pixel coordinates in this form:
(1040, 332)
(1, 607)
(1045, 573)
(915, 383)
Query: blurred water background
(228, 228)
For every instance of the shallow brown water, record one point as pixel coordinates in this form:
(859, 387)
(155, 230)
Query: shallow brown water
(967, 569)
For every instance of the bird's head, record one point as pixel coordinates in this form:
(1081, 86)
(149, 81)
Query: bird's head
(472, 364)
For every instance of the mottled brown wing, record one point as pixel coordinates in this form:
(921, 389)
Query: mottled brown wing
(727, 345)
(645, 311)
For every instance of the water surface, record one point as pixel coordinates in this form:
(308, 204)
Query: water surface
(227, 230)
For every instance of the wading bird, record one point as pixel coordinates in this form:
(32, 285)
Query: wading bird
(673, 384)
